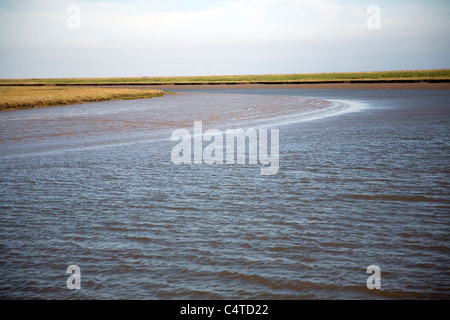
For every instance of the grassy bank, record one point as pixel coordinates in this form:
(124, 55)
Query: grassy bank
(349, 77)
(28, 97)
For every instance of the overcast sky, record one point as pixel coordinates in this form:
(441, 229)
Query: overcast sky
(59, 38)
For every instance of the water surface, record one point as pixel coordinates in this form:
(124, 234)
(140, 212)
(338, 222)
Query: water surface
(363, 180)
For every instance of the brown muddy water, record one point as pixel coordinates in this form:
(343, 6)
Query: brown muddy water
(363, 180)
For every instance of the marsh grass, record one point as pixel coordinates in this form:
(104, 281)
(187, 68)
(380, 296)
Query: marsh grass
(379, 76)
(30, 96)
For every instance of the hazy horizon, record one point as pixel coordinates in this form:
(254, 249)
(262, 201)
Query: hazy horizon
(85, 39)
(221, 75)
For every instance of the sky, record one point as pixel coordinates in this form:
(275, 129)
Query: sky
(69, 38)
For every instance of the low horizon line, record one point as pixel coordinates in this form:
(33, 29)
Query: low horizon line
(229, 75)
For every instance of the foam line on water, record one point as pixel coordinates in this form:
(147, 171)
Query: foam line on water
(337, 108)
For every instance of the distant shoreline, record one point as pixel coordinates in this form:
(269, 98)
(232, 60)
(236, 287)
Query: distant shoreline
(27, 99)
(344, 78)
(29, 93)
(359, 85)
